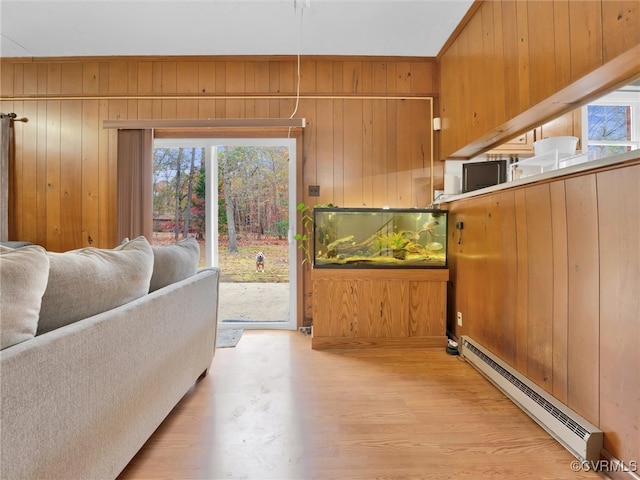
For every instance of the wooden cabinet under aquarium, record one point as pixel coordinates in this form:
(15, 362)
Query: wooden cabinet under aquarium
(355, 308)
(379, 277)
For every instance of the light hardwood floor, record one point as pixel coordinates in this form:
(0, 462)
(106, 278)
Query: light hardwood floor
(273, 408)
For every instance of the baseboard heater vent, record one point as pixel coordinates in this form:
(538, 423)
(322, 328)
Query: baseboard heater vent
(581, 438)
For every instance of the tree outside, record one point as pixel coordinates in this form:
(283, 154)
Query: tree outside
(253, 206)
(609, 125)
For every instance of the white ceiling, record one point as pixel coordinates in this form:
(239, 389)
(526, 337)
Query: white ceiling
(63, 28)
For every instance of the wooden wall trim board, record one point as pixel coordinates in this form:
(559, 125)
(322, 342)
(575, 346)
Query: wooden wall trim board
(341, 343)
(212, 97)
(227, 132)
(546, 276)
(215, 123)
(228, 58)
(393, 274)
(463, 23)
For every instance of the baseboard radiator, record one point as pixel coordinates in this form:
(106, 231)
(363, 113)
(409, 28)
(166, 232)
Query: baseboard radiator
(581, 438)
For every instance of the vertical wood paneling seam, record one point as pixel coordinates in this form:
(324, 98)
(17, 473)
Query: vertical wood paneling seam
(602, 61)
(59, 174)
(498, 51)
(553, 284)
(522, 314)
(17, 207)
(48, 163)
(83, 201)
(431, 152)
(522, 64)
(599, 336)
(362, 150)
(565, 347)
(555, 48)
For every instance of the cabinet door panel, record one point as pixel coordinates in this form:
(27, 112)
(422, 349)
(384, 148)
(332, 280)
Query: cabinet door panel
(335, 308)
(427, 309)
(387, 309)
(360, 306)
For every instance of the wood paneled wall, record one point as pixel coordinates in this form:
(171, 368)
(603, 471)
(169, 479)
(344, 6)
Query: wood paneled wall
(512, 57)
(547, 277)
(368, 140)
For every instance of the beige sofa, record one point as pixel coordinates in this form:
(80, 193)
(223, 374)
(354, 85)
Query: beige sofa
(80, 398)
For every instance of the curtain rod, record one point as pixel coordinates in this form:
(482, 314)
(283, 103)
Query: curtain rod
(13, 117)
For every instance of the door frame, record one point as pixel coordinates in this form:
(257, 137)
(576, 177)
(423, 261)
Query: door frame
(293, 142)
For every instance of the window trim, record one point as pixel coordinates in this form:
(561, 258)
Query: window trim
(623, 97)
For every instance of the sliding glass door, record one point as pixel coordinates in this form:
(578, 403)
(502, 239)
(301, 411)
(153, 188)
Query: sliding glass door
(237, 196)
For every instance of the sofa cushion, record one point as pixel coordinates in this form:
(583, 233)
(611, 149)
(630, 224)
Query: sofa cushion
(172, 263)
(91, 280)
(23, 279)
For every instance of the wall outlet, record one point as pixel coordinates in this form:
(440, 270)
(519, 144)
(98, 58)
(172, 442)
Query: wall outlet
(459, 319)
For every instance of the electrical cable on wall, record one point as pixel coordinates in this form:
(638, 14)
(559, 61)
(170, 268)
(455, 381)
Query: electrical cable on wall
(295, 5)
(298, 66)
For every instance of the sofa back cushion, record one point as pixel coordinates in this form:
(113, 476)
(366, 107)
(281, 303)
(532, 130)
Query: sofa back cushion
(172, 263)
(23, 279)
(90, 280)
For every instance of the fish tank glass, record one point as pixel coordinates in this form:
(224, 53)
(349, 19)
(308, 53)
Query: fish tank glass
(379, 238)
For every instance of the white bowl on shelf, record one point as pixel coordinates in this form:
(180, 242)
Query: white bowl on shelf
(565, 146)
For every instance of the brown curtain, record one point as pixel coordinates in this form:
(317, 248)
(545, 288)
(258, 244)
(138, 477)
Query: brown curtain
(135, 198)
(5, 141)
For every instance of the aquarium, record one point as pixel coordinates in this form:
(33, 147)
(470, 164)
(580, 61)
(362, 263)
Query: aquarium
(379, 238)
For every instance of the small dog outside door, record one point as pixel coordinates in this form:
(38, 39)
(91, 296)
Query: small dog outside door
(260, 262)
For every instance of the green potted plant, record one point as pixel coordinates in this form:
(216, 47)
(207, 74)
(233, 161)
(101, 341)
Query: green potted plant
(304, 238)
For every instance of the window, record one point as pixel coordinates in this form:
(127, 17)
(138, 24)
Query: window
(612, 123)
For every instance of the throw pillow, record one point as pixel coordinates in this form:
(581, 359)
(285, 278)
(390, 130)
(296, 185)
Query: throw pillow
(172, 263)
(23, 279)
(91, 280)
